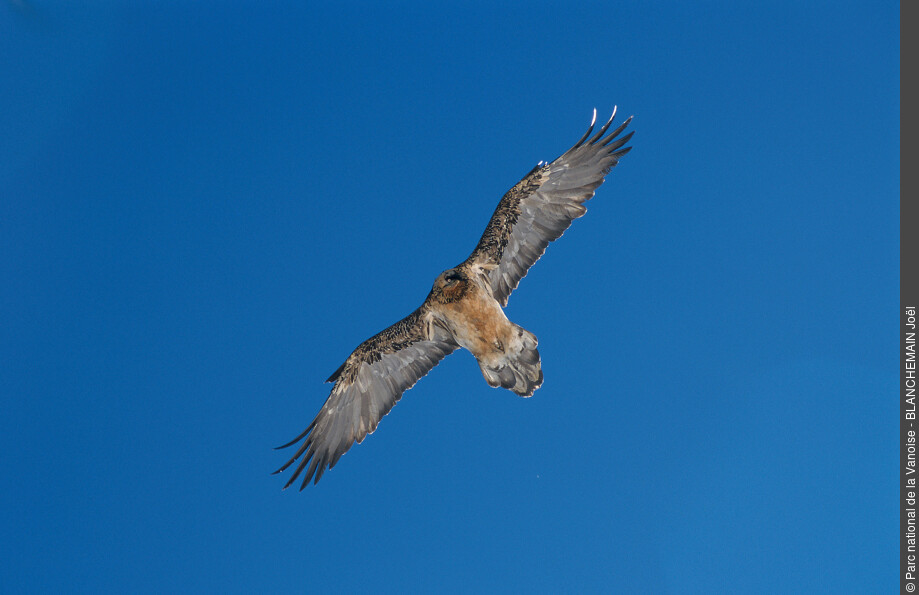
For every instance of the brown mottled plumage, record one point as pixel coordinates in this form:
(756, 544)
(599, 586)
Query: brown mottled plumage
(464, 308)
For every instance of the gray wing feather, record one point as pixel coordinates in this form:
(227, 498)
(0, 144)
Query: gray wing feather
(366, 387)
(542, 206)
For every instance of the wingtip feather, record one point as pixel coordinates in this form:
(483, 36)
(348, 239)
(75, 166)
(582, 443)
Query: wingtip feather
(612, 146)
(602, 130)
(298, 438)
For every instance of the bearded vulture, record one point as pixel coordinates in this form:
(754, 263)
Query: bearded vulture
(464, 308)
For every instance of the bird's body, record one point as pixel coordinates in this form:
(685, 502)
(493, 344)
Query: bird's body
(506, 353)
(464, 308)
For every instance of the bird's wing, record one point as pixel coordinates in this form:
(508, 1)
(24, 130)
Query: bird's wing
(542, 205)
(366, 387)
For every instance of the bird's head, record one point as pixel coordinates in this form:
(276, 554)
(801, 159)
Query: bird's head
(450, 285)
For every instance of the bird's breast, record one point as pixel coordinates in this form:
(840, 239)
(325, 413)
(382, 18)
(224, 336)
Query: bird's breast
(478, 322)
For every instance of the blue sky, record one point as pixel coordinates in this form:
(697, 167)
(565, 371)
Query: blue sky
(206, 206)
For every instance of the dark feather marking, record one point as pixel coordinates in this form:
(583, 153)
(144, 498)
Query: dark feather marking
(502, 221)
(390, 340)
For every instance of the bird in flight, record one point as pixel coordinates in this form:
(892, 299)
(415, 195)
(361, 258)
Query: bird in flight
(464, 308)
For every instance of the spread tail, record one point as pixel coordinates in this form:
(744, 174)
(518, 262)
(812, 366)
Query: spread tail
(519, 369)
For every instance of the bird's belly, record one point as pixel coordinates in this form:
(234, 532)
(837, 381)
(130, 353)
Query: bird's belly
(479, 325)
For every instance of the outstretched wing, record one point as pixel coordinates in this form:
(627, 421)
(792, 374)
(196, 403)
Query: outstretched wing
(542, 205)
(366, 387)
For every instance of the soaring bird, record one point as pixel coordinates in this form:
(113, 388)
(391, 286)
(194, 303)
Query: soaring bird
(464, 308)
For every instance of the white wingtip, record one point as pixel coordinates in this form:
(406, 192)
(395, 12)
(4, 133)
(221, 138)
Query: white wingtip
(594, 119)
(615, 107)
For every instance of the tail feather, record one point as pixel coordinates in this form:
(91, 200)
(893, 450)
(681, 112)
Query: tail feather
(520, 369)
(529, 356)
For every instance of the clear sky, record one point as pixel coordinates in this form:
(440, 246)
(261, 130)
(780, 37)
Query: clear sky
(205, 206)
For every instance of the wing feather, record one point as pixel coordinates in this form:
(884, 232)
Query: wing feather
(542, 206)
(366, 387)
